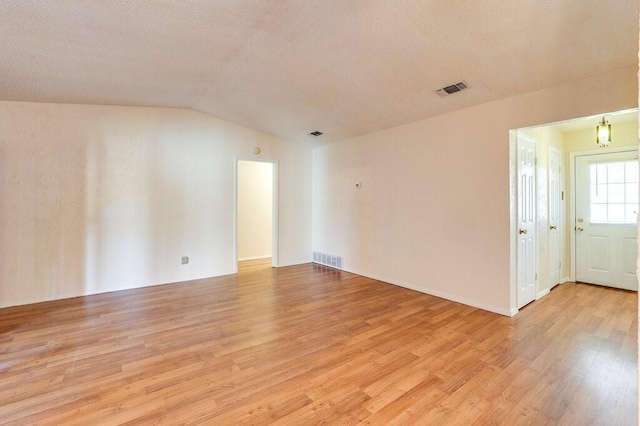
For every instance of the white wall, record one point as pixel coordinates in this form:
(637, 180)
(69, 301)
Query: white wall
(102, 198)
(255, 208)
(436, 209)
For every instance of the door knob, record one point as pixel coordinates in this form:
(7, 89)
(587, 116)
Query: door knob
(580, 229)
(552, 227)
(523, 231)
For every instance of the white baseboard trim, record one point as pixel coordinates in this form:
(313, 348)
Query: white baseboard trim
(294, 262)
(542, 293)
(73, 295)
(264, 256)
(443, 295)
(566, 280)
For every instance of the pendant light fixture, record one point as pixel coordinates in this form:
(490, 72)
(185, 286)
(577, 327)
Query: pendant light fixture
(603, 133)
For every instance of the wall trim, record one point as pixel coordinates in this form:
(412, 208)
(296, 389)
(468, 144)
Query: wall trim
(74, 295)
(262, 256)
(542, 293)
(513, 219)
(443, 295)
(294, 263)
(86, 294)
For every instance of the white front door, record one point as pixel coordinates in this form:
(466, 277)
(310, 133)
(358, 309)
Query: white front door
(526, 249)
(555, 216)
(606, 206)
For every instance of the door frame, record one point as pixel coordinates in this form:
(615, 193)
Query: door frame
(561, 224)
(275, 258)
(521, 135)
(572, 196)
(513, 222)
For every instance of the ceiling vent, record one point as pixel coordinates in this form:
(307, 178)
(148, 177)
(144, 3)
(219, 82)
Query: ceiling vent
(315, 134)
(449, 90)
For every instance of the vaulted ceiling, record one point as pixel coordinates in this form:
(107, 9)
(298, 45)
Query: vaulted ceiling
(345, 67)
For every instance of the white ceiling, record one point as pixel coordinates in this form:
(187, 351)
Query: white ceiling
(345, 67)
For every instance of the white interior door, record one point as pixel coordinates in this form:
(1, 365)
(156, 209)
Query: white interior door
(526, 248)
(606, 207)
(555, 216)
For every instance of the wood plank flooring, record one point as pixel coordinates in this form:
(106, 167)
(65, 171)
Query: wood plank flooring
(311, 345)
(254, 265)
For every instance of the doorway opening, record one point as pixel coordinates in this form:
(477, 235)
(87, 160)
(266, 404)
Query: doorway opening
(557, 145)
(256, 214)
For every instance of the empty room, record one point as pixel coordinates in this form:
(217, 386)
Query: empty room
(318, 212)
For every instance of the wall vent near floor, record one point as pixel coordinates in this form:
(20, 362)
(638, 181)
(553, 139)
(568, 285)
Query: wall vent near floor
(327, 260)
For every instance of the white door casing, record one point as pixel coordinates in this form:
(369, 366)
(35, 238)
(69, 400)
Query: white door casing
(526, 214)
(606, 195)
(275, 228)
(555, 217)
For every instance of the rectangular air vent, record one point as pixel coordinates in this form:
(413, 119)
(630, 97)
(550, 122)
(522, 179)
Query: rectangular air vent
(446, 91)
(327, 260)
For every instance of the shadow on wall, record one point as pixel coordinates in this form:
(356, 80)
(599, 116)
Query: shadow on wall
(96, 199)
(88, 207)
(136, 209)
(42, 215)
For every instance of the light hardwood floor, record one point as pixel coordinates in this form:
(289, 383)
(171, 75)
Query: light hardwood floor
(254, 265)
(310, 345)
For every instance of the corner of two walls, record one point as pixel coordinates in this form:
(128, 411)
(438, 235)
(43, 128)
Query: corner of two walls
(103, 198)
(432, 205)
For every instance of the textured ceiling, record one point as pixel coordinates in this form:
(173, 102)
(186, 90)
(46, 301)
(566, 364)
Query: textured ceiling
(289, 67)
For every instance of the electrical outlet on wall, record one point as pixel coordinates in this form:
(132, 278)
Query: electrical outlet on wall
(185, 260)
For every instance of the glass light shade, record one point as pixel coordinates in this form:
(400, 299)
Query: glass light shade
(603, 133)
